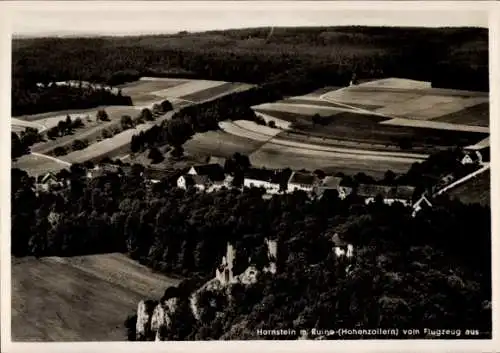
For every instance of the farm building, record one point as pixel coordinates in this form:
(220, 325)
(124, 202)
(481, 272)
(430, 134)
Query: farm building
(480, 155)
(422, 202)
(330, 183)
(342, 248)
(48, 182)
(302, 181)
(214, 171)
(200, 182)
(103, 169)
(271, 180)
(390, 194)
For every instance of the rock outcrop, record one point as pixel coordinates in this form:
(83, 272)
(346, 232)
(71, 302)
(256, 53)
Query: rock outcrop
(152, 320)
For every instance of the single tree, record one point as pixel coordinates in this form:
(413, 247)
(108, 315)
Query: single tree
(155, 155)
(126, 122)
(102, 115)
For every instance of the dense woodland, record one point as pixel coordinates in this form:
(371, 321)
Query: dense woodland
(32, 99)
(408, 272)
(455, 58)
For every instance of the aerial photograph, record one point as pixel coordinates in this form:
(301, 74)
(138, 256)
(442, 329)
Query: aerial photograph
(181, 175)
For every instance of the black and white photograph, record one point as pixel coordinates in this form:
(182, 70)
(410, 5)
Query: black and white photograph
(247, 171)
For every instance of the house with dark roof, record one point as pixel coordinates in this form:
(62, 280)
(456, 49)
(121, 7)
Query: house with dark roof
(478, 155)
(389, 194)
(199, 182)
(330, 183)
(302, 181)
(214, 171)
(103, 169)
(271, 180)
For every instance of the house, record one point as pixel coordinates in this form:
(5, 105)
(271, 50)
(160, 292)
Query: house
(302, 181)
(271, 180)
(103, 169)
(48, 182)
(470, 158)
(342, 248)
(330, 183)
(389, 194)
(214, 171)
(199, 182)
(423, 201)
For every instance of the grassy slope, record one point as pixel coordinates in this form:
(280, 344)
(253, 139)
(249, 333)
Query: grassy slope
(84, 298)
(476, 190)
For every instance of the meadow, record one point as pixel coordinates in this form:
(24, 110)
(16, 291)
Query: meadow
(82, 298)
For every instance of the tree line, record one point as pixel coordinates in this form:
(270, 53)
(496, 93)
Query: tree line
(29, 98)
(454, 58)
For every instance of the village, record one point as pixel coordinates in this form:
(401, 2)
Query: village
(214, 176)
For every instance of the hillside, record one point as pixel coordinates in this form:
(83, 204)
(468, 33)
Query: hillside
(82, 298)
(476, 190)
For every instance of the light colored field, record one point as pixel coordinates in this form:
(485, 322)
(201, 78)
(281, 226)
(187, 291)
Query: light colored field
(481, 144)
(435, 125)
(216, 92)
(100, 149)
(220, 144)
(430, 107)
(303, 109)
(370, 96)
(19, 125)
(38, 165)
(187, 88)
(475, 190)
(275, 156)
(400, 83)
(249, 129)
(476, 115)
(83, 298)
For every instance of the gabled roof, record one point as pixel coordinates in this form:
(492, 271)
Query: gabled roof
(268, 175)
(213, 171)
(303, 179)
(387, 192)
(42, 179)
(331, 182)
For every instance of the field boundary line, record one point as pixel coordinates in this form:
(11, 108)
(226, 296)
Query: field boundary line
(52, 158)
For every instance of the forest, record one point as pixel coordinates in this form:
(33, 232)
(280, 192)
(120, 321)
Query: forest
(449, 58)
(32, 99)
(408, 272)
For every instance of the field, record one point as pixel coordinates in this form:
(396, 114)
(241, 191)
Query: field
(279, 150)
(38, 164)
(84, 298)
(398, 98)
(478, 115)
(216, 91)
(378, 131)
(475, 190)
(144, 93)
